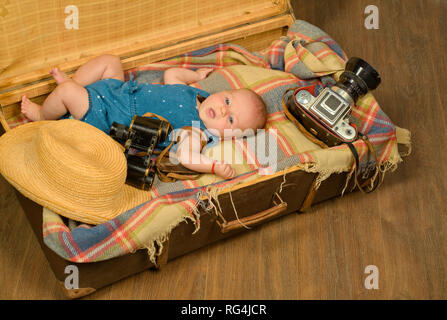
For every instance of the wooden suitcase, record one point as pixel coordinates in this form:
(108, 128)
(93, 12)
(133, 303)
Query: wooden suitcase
(252, 24)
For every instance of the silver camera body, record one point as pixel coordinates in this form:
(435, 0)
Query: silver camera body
(332, 107)
(327, 116)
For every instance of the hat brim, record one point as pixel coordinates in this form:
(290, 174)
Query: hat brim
(20, 169)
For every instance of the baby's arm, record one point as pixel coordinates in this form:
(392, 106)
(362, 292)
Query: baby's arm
(185, 76)
(189, 155)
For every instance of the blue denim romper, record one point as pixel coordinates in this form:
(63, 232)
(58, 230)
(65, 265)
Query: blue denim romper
(112, 100)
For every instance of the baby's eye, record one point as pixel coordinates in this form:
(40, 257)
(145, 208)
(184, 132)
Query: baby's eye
(230, 118)
(227, 101)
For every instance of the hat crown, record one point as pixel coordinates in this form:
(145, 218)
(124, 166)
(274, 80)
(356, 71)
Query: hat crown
(84, 163)
(70, 167)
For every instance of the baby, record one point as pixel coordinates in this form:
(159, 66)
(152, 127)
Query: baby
(98, 95)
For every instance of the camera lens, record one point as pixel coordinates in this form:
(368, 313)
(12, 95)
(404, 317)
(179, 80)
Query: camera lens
(358, 77)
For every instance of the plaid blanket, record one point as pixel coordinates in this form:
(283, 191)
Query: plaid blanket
(305, 56)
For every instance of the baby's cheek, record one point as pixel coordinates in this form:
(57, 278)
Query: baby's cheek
(217, 129)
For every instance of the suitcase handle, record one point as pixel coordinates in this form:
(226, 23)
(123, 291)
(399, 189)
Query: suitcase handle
(247, 222)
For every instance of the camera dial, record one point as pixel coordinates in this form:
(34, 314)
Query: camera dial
(304, 97)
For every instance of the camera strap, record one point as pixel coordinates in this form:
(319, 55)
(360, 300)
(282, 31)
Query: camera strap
(363, 187)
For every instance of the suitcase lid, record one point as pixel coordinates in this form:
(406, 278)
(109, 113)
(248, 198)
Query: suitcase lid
(38, 35)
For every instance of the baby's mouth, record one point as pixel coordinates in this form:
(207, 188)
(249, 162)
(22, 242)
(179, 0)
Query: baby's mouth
(211, 113)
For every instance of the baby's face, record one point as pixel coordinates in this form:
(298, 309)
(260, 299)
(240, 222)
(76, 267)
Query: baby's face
(227, 113)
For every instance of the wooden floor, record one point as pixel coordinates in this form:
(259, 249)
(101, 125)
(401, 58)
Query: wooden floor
(322, 254)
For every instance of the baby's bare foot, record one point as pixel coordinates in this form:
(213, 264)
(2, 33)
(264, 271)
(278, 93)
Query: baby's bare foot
(58, 75)
(31, 110)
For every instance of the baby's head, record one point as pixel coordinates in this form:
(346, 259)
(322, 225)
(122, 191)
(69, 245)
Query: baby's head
(230, 113)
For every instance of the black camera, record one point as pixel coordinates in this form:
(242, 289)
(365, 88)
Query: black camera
(327, 115)
(142, 135)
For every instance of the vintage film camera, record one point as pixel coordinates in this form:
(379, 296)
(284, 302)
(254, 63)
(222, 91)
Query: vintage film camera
(142, 136)
(327, 115)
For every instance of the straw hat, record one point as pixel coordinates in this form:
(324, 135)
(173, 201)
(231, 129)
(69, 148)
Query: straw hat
(69, 167)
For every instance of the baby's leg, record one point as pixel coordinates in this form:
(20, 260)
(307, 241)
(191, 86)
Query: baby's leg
(69, 96)
(102, 67)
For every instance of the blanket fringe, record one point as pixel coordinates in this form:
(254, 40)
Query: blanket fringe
(212, 193)
(283, 180)
(403, 137)
(323, 174)
(158, 242)
(348, 178)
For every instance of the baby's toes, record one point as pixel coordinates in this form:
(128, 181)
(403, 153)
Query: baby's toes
(24, 105)
(24, 101)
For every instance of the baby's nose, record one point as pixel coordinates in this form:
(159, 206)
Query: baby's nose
(223, 110)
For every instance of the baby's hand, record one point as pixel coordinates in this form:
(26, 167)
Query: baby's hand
(203, 72)
(224, 170)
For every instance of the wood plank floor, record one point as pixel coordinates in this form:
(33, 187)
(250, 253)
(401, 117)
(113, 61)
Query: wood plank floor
(322, 254)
